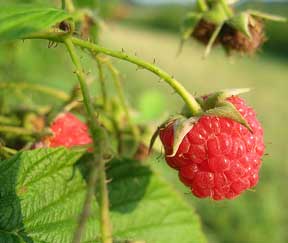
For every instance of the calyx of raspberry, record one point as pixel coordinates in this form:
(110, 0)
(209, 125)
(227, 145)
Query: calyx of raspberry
(181, 127)
(220, 24)
(213, 104)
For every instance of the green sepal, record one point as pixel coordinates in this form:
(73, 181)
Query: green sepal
(228, 110)
(212, 40)
(266, 16)
(241, 22)
(162, 126)
(216, 15)
(181, 127)
(212, 100)
(188, 24)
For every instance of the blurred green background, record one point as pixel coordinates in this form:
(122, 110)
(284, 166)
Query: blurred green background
(151, 31)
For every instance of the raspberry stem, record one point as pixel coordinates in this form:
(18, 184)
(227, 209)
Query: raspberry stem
(7, 152)
(117, 82)
(190, 101)
(98, 172)
(68, 5)
(102, 83)
(178, 87)
(22, 131)
(36, 87)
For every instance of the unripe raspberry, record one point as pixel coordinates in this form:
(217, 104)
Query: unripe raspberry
(68, 131)
(218, 157)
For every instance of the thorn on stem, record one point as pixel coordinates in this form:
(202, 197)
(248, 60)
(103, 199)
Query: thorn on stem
(50, 44)
(108, 180)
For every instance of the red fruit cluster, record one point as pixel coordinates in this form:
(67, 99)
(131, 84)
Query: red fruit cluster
(68, 131)
(219, 157)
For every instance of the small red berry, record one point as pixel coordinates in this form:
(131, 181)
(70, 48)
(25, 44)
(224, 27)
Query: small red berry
(68, 131)
(218, 158)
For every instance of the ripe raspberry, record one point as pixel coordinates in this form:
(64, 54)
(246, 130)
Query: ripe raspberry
(218, 157)
(68, 131)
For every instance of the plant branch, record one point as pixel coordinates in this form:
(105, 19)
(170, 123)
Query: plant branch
(21, 131)
(116, 77)
(179, 88)
(69, 5)
(7, 152)
(98, 170)
(102, 82)
(9, 121)
(36, 87)
(190, 101)
(63, 4)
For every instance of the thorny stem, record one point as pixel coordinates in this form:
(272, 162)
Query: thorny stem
(102, 82)
(69, 6)
(178, 87)
(119, 89)
(190, 101)
(8, 150)
(36, 87)
(117, 82)
(8, 121)
(63, 4)
(21, 131)
(98, 171)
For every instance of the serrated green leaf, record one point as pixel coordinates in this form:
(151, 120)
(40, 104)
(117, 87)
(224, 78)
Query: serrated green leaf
(18, 22)
(188, 25)
(241, 23)
(144, 207)
(42, 193)
(267, 16)
(228, 110)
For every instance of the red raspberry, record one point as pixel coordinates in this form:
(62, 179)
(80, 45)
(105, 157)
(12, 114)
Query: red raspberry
(68, 131)
(219, 157)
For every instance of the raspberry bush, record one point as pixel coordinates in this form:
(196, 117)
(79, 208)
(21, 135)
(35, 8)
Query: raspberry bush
(74, 170)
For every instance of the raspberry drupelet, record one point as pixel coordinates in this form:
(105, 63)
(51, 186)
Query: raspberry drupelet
(218, 158)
